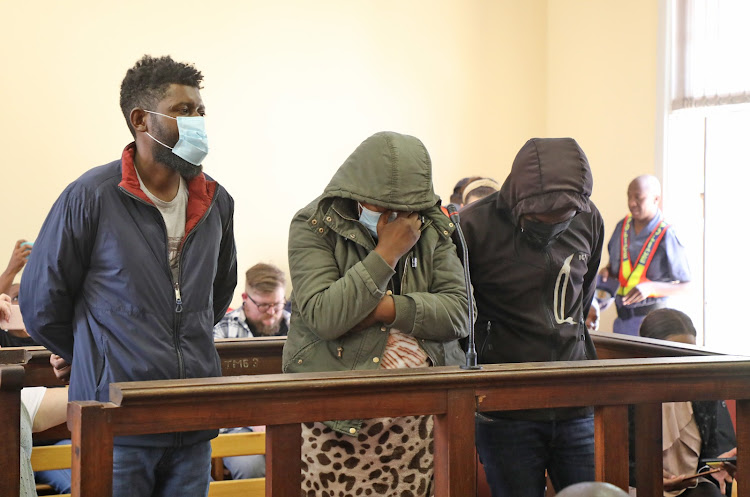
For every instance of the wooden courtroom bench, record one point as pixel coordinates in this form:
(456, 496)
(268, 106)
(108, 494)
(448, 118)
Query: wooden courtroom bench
(225, 445)
(239, 356)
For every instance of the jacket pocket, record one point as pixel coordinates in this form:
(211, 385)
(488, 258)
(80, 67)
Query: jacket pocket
(297, 362)
(102, 378)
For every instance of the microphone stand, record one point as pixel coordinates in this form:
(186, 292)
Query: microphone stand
(471, 353)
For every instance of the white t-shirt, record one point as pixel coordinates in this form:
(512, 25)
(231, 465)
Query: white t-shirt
(174, 216)
(31, 399)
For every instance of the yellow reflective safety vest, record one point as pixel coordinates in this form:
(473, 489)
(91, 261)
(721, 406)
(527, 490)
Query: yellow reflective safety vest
(628, 276)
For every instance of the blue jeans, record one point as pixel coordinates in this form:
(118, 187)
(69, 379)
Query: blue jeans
(58, 479)
(516, 453)
(161, 471)
(243, 467)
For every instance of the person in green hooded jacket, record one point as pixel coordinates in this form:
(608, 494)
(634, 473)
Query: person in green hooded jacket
(376, 284)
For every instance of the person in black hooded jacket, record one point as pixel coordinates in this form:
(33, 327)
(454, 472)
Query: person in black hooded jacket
(534, 251)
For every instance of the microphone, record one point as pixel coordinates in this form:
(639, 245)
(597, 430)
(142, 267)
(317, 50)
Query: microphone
(471, 353)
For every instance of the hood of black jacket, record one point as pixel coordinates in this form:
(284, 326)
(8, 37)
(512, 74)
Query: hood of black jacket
(547, 174)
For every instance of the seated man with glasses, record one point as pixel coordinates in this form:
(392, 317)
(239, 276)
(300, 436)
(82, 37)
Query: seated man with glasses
(262, 312)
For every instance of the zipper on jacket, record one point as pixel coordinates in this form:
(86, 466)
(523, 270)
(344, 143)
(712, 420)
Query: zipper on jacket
(177, 298)
(406, 266)
(413, 264)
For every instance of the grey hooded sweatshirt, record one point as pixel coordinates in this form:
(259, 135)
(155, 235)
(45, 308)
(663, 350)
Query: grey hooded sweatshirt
(532, 301)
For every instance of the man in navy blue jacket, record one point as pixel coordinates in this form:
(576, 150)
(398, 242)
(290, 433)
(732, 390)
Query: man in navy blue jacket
(134, 265)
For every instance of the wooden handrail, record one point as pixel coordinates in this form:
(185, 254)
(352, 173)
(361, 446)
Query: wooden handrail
(262, 355)
(453, 395)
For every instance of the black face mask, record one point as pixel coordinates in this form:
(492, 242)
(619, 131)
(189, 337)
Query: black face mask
(541, 234)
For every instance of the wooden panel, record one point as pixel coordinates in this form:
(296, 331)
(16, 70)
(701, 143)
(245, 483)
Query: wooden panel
(238, 444)
(255, 487)
(11, 380)
(455, 461)
(648, 450)
(267, 405)
(13, 355)
(91, 474)
(743, 447)
(250, 356)
(226, 445)
(47, 457)
(283, 460)
(611, 434)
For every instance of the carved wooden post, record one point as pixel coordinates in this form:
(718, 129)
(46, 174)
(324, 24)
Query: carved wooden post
(11, 381)
(611, 433)
(455, 460)
(648, 450)
(283, 460)
(91, 470)
(743, 448)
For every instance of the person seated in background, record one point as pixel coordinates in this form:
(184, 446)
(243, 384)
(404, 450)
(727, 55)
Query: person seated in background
(18, 258)
(21, 253)
(457, 197)
(691, 430)
(41, 409)
(262, 312)
(15, 338)
(478, 189)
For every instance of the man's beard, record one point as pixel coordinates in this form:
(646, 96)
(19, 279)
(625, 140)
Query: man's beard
(264, 330)
(165, 156)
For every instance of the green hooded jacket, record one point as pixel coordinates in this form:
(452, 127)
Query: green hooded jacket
(338, 279)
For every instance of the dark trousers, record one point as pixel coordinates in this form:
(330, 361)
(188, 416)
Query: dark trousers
(516, 453)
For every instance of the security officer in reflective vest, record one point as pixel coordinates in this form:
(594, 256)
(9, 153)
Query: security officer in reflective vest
(647, 263)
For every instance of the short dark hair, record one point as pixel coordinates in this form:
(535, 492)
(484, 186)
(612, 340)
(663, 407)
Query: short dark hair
(265, 278)
(147, 82)
(663, 323)
(457, 197)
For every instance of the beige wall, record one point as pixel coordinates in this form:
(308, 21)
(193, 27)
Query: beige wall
(602, 89)
(292, 87)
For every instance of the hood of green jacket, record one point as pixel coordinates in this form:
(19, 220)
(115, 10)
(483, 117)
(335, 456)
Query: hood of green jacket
(390, 170)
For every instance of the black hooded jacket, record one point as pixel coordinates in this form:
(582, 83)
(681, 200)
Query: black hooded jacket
(532, 302)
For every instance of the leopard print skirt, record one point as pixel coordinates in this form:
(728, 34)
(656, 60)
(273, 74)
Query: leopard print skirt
(391, 457)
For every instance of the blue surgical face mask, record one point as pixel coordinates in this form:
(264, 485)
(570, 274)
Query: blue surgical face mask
(192, 144)
(369, 219)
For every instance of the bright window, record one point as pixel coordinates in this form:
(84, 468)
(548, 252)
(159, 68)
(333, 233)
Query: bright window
(707, 168)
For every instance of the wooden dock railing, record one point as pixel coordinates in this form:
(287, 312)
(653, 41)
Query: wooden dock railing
(452, 395)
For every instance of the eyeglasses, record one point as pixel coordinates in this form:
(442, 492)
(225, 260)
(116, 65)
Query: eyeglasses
(277, 306)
